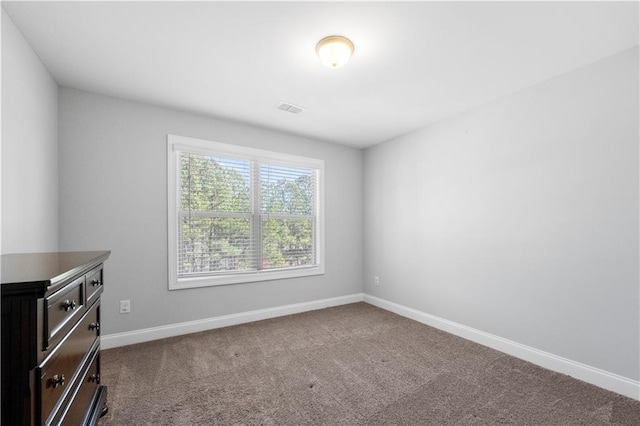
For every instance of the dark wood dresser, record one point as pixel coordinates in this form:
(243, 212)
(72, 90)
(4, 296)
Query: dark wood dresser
(51, 338)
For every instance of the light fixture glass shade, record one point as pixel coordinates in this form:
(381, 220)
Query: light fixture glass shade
(334, 51)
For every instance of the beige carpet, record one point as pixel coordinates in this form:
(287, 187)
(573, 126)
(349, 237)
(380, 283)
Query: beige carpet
(349, 365)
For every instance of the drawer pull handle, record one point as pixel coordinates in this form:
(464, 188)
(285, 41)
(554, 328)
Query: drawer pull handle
(94, 326)
(95, 378)
(69, 304)
(95, 282)
(57, 380)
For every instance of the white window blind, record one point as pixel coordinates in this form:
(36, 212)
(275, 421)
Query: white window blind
(288, 200)
(214, 230)
(242, 214)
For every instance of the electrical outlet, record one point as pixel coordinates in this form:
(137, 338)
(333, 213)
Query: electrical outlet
(125, 306)
(376, 280)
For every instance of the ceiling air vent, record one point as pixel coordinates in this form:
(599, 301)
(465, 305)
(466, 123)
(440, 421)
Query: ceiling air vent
(289, 107)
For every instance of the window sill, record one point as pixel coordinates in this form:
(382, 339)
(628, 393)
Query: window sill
(241, 278)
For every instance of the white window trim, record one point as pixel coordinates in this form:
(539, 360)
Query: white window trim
(176, 143)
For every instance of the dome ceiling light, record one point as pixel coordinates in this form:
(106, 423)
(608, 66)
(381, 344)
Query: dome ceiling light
(334, 51)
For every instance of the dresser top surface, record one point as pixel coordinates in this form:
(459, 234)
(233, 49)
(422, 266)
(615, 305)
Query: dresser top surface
(42, 271)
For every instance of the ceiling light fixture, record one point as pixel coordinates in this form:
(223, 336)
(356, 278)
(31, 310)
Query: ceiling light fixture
(334, 51)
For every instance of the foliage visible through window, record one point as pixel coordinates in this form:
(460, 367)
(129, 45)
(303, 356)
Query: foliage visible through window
(242, 215)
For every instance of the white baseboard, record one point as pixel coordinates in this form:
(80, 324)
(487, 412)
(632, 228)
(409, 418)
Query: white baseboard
(586, 373)
(154, 333)
(595, 376)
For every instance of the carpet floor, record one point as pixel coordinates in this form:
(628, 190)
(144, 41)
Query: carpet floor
(349, 365)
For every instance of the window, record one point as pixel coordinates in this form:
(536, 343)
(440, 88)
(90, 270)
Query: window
(240, 214)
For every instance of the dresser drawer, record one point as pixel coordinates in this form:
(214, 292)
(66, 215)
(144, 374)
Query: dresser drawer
(77, 412)
(62, 310)
(94, 284)
(60, 371)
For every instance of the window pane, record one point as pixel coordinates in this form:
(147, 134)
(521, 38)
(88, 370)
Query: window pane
(214, 184)
(287, 243)
(214, 244)
(286, 190)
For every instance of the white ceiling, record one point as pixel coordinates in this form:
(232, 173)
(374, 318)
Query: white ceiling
(414, 62)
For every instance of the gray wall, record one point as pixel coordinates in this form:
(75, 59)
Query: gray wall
(520, 218)
(29, 147)
(113, 195)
